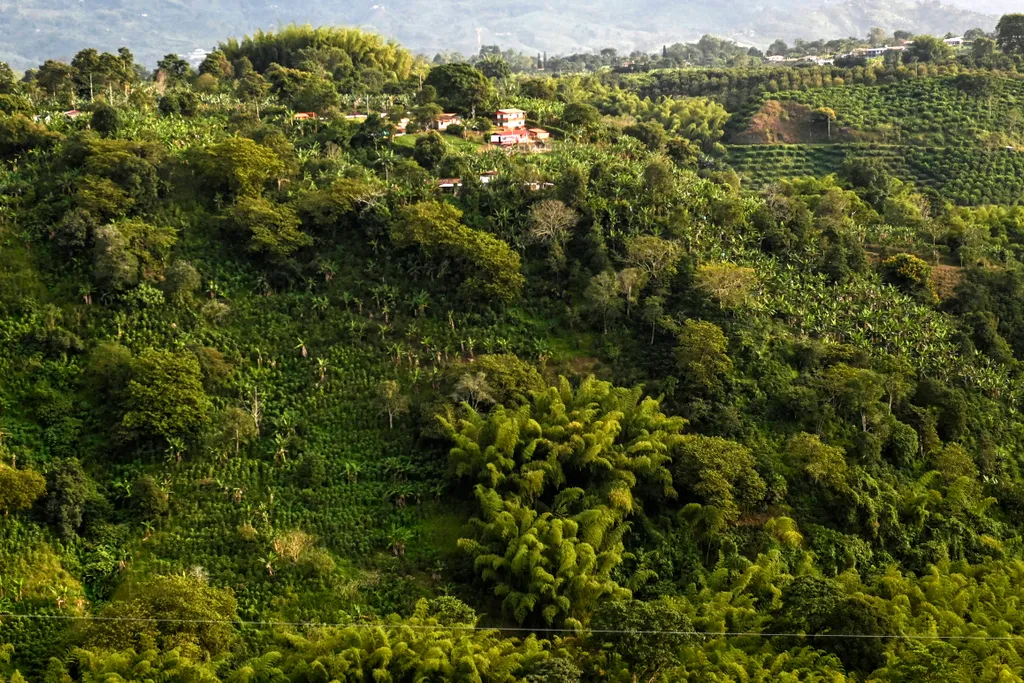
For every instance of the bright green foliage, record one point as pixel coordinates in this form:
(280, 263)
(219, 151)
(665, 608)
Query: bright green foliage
(720, 472)
(196, 618)
(164, 397)
(511, 380)
(350, 50)
(492, 268)
(19, 133)
(823, 464)
(702, 356)
(699, 120)
(557, 479)
(127, 665)
(217, 424)
(271, 229)
(909, 273)
(237, 166)
(19, 489)
(127, 251)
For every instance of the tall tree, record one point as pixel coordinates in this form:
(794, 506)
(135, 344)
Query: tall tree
(1010, 33)
(460, 87)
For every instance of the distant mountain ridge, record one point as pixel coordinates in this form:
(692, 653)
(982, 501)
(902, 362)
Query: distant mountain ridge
(35, 30)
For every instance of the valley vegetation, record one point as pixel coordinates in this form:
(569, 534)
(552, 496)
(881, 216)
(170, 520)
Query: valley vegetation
(662, 401)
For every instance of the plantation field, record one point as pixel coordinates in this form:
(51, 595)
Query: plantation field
(761, 164)
(920, 110)
(967, 176)
(970, 176)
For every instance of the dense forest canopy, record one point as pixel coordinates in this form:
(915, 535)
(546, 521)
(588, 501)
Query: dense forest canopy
(314, 368)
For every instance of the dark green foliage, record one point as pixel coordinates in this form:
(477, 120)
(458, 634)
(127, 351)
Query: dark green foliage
(644, 638)
(493, 268)
(1010, 33)
(820, 606)
(69, 491)
(106, 119)
(181, 102)
(429, 150)
(460, 87)
(164, 397)
(148, 498)
(579, 115)
(651, 133)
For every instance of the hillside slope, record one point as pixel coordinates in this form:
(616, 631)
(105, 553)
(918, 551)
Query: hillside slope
(39, 29)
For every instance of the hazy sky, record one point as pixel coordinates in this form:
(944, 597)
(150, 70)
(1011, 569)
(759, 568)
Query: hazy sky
(989, 6)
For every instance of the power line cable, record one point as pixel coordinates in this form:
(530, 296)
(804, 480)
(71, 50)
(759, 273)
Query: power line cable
(512, 629)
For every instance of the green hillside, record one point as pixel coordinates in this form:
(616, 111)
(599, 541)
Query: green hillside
(626, 403)
(956, 135)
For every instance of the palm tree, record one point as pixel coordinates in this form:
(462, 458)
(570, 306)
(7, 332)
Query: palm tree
(269, 561)
(321, 304)
(280, 448)
(175, 449)
(386, 160)
(420, 302)
(397, 538)
(302, 347)
(322, 366)
(328, 269)
(352, 470)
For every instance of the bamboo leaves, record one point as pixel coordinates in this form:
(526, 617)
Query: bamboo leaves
(555, 484)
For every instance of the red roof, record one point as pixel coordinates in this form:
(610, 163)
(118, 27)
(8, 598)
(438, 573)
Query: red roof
(449, 181)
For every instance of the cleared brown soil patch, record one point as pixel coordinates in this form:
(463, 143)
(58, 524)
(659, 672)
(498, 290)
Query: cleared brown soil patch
(790, 123)
(944, 280)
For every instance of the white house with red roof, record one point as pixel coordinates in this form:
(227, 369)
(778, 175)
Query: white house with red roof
(512, 129)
